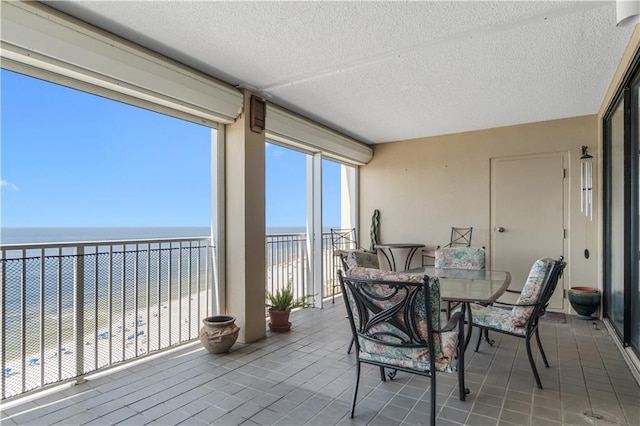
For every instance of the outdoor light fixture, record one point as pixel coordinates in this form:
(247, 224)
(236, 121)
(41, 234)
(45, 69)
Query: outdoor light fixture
(586, 183)
(627, 12)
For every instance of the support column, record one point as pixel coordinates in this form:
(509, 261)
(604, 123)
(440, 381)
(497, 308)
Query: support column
(245, 226)
(349, 198)
(314, 225)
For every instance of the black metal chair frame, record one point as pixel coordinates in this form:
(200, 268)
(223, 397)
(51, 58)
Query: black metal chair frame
(341, 239)
(539, 308)
(345, 268)
(370, 315)
(344, 239)
(460, 237)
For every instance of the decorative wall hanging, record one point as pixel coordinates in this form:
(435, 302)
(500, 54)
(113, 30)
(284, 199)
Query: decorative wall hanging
(586, 183)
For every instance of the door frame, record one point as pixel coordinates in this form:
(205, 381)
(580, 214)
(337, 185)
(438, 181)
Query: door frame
(566, 196)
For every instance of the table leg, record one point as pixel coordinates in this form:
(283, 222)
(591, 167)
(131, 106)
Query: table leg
(392, 261)
(407, 263)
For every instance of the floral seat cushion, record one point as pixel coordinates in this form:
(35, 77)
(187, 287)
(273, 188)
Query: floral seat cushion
(460, 258)
(417, 359)
(493, 317)
(368, 273)
(531, 291)
(445, 344)
(365, 259)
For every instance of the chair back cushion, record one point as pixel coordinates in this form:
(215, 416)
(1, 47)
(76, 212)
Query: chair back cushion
(365, 259)
(531, 291)
(472, 258)
(388, 333)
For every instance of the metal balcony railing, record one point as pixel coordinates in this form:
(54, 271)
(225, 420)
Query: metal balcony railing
(70, 309)
(287, 260)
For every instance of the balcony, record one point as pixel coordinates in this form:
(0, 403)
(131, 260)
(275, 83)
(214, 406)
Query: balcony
(305, 377)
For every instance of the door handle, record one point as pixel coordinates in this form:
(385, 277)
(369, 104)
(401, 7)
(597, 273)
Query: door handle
(499, 229)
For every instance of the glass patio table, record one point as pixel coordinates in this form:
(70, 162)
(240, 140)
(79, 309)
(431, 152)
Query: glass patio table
(484, 286)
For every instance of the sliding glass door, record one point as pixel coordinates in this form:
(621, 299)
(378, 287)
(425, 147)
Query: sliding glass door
(616, 247)
(621, 226)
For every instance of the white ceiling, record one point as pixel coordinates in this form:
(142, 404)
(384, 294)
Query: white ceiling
(385, 71)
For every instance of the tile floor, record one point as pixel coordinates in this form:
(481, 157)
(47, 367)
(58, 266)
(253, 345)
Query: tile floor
(305, 377)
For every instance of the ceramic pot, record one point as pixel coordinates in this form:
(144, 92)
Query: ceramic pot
(219, 333)
(279, 320)
(584, 300)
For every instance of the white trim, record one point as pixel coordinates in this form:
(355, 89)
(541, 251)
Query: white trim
(291, 129)
(310, 228)
(218, 221)
(318, 270)
(349, 198)
(39, 37)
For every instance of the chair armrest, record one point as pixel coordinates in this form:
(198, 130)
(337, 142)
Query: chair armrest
(451, 324)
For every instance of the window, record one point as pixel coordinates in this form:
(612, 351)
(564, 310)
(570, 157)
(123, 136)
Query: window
(73, 159)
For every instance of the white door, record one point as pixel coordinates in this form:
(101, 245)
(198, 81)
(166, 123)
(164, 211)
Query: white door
(527, 215)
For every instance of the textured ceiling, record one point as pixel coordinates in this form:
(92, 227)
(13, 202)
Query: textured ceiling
(385, 71)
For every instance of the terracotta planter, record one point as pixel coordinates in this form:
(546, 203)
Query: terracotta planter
(584, 300)
(279, 320)
(219, 333)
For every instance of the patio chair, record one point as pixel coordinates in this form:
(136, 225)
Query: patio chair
(460, 237)
(522, 319)
(395, 320)
(467, 258)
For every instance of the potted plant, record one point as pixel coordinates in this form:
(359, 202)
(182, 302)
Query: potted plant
(280, 305)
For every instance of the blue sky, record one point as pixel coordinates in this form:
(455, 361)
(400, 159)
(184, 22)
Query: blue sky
(73, 159)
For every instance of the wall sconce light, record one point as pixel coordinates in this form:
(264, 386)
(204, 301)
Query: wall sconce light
(627, 12)
(586, 183)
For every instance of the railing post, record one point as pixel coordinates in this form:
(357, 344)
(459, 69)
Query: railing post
(78, 320)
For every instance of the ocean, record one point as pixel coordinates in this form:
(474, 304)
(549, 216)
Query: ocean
(68, 234)
(26, 267)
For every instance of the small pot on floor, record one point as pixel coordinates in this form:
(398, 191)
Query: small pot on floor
(585, 301)
(219, 333)
(279, 320)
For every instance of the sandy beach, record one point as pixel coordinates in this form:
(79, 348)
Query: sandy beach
(142, 332)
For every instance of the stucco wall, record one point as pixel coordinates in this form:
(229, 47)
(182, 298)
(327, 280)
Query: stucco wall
(424, 186)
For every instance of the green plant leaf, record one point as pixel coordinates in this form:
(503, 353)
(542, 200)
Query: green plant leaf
(283, 300)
